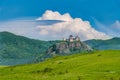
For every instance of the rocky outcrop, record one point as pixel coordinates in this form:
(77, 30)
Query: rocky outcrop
(64, 48)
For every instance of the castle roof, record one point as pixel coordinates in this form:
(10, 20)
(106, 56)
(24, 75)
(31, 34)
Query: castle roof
(71, 36)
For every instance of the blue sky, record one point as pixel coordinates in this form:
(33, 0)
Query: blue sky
(100, 13)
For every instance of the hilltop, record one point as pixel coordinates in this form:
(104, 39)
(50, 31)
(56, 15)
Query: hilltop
(109, 44)
(71, 45)
(15, 49)
(101, 65)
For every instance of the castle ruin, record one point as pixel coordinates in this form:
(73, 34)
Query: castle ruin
(72, 39)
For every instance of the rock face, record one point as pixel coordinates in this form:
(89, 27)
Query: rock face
(67, 47)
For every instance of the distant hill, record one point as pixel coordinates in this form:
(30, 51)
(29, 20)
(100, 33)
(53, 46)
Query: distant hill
(16, 49)
(113, 44)
(101, 65)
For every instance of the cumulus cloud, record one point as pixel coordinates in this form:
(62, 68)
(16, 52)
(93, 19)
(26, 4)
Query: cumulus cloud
(53, 25)
(68, 26)
(50, 15)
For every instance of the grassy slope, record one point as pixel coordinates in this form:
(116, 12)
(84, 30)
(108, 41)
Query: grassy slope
(2, 66)
(102, 65)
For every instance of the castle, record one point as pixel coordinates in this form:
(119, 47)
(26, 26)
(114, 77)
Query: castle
(72, 39)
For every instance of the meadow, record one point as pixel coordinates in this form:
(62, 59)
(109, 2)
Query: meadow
(99, 65)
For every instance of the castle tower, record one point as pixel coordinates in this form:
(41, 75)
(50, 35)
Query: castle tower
(71, 39)
(77, 38)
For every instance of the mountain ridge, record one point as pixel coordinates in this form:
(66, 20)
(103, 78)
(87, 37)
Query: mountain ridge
(113, 43)
(15, 49)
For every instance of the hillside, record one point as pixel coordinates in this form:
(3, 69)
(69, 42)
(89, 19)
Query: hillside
(101, 65)
(113, 44)
(16, 49)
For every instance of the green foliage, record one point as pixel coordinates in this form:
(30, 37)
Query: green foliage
(99, 65)
(113, 44)
(19, 49)
(16, 49)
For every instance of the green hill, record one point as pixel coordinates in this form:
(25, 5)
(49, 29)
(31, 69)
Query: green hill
(109, 44)
(16, 49)
(101, 65)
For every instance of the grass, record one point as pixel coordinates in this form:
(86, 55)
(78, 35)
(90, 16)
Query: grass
(2, 66)
(101, 65)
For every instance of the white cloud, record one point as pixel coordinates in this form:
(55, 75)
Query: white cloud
(50, 15)
(111, 29)
(69, 26)
(52, 25)
(116, 25)
(20, 27)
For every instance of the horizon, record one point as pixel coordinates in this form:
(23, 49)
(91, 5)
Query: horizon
(62, 38)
